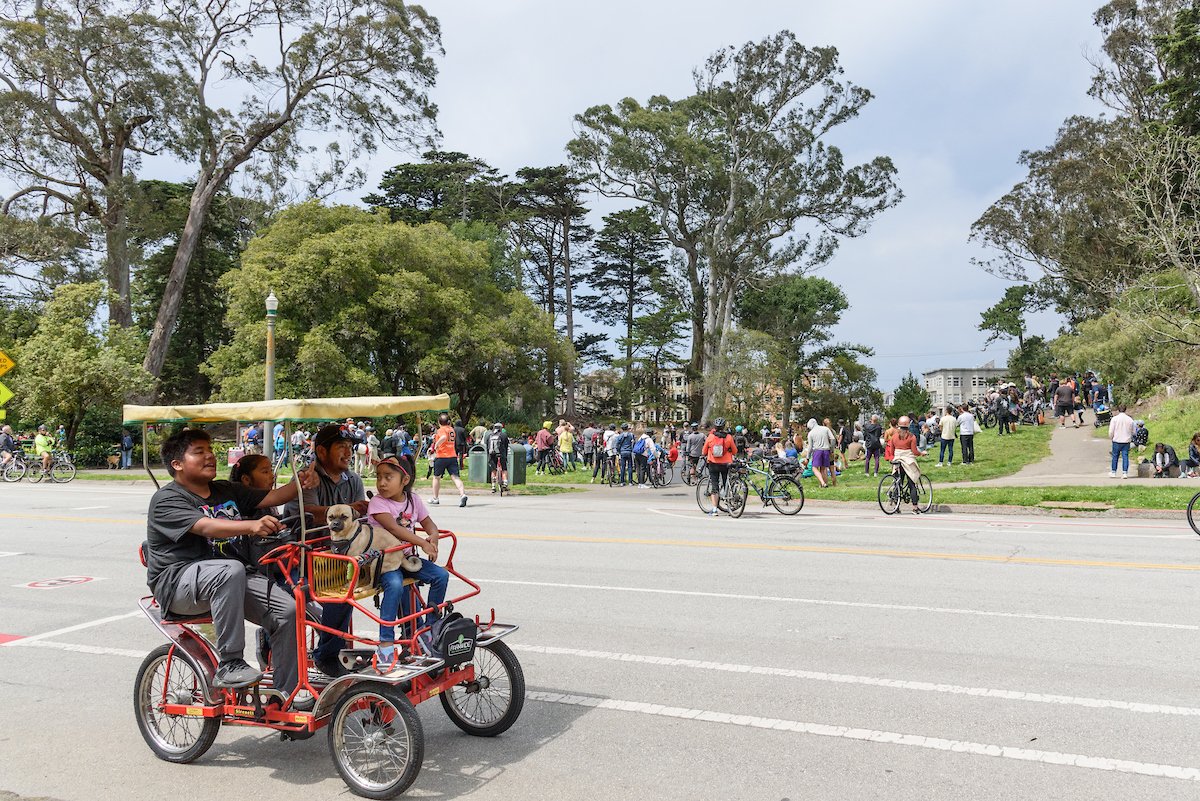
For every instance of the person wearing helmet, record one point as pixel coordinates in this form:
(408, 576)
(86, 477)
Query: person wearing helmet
(740, 439)
(624, 448)
(719, 450)
(496, 443)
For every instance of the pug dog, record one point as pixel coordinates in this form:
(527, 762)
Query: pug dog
(352, 537)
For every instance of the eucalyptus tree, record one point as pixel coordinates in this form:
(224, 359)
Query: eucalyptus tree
(81, 102)
(358, 67)
(741, 175)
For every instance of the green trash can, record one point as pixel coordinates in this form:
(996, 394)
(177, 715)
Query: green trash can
(477, 465)
(516, 465)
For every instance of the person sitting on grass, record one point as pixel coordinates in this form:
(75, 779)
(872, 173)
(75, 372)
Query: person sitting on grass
(396, 509)
(1192, 463)
(185, 578)
(1164, 460)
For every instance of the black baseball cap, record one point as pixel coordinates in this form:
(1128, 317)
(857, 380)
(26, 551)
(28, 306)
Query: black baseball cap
(332, 433)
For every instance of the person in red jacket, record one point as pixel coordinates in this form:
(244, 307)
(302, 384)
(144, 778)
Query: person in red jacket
(719, 450)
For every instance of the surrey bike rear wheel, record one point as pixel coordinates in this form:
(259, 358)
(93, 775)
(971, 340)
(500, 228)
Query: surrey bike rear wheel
(376, 740)
(164, 678)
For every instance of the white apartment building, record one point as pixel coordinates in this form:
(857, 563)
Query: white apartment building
(952, 385)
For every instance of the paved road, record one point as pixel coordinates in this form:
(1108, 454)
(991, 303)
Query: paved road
(834, 655)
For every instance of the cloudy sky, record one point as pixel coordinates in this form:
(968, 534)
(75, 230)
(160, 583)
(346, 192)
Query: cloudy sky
(960, 89)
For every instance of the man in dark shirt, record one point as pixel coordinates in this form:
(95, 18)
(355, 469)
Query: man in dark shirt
(337, 483)
(872, 443)
(183, 517)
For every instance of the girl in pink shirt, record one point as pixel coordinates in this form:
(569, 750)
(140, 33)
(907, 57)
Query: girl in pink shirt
(395, 508)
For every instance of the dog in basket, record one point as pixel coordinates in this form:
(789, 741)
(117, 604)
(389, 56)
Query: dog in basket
(360, 536)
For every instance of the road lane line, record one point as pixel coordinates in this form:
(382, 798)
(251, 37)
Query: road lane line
(1009, 527)
(872, 681)
(100, 650)
(9, 553)
(67, 630)
(85, 508)
(1108, 764)
(852, 604)
(1006, 559)
(74, 519)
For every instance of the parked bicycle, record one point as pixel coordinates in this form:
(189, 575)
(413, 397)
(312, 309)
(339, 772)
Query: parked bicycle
(894, 491)
(781, 491)
(662, 473)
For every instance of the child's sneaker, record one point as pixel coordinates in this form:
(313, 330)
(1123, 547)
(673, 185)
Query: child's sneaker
(434, 501)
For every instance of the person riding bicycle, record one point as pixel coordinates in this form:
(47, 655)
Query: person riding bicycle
(905, 451)
(496, 443)
(8, 445)
(43, 447)
(719, 450)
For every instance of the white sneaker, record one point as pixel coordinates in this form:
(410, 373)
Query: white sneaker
(1112, 473)
(711, 512)
(939, 464)
(1125, 475)
(434, 501)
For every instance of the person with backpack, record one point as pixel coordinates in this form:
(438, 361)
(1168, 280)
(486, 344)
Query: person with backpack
(719, 450)
(624, 448)
(641, 458)
(126, 449)
(496, 444)
(590, 435)
(605, 456)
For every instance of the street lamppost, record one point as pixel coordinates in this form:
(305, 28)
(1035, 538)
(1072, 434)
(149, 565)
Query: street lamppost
(269, 393)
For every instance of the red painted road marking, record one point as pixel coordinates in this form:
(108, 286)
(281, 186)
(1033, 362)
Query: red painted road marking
(55, 583)
(10, 637)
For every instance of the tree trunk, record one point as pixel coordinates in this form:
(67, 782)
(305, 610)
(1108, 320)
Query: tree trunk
(568, 302)
(189, 239)
(788, 387)
(116, 240)
(629, 304)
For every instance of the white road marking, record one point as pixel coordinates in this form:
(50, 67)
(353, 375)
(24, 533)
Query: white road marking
(82, 508)
(9, 553)
(77, 648)
(853, 604)
(798, 525)
(893, 738)
(78, 627)
(838, 678)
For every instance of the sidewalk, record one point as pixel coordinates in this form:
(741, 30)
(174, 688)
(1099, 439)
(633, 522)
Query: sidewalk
(1078, 458)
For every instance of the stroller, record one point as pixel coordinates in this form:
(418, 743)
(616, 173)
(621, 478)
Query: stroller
(1103, 414)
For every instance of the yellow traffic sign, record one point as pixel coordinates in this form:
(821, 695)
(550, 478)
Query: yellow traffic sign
(6, 363)
(5, 394)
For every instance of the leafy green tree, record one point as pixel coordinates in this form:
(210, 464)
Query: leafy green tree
(1007, 317)
(70, 366)
(371, 307)
(910, 398)
(360, 66)
(798, 313)
(1180, 52)
(159, 209)
(841, 390)
(651, 345)
(447, 187)
(84, 100)
(627, 264)
(1032, 357)
(553, 235)
(740, 175)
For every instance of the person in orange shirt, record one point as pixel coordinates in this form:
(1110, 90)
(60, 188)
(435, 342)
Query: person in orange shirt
(719, 450)
(445, 459)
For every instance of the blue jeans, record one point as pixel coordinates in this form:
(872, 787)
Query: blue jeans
(1120, 449)
(126, 459)
(626, 468)
(396, 602)
(944, 446)
(335, 616)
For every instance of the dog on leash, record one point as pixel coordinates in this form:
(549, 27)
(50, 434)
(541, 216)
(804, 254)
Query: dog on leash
(361, 536)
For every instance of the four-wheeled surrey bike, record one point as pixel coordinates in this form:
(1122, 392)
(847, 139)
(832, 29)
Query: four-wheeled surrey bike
(375, 734)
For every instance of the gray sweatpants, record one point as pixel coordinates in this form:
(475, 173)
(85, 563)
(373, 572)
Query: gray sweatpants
(223, 588)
